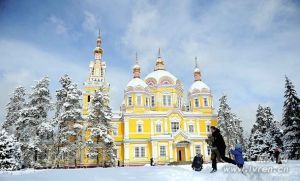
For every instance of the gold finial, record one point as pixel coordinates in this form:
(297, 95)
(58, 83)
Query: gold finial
(159, 53)
(196, 62)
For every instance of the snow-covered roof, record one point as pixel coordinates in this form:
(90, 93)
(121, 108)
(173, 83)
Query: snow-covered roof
(137, 82)
(199, 85)
(159, 74)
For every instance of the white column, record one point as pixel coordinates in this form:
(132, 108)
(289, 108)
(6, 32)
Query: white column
(171, 150)
(192, 151)
(126, 130)
(152, 127)
(126, 153)
(154, 149)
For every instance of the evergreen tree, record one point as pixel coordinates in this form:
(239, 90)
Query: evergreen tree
(69, 130)
(100, 126)
(229, 124)
(264, 135)
(13, 109)
(34, 113)
(57, 122)
(291, 122)
(10, 152)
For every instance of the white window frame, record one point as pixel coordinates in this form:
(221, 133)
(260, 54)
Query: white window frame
(138, 151)
(129, 103)
(147, 101)
(167, 100)
(192, 125)
(208, 150)
(152, 101)
(139, 98)
(198, 103)
(162, 151)
(197, 147)
(207, 128)
(156, 126)
(115, 130)
(205, 98)
(139, 124)
(172, 122)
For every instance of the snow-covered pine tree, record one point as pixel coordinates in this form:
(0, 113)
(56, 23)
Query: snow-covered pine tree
(291, 121)
(263, 136)
(10, 152)
(69, 130)
(229, 124)
(61, 96)
(13, 108)
(100, 127)
(32, 116)
(272, 127)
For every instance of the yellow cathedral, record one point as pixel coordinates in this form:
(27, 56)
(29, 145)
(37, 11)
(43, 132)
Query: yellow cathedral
(154, 122)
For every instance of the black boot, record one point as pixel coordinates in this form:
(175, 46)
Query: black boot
(213, 170)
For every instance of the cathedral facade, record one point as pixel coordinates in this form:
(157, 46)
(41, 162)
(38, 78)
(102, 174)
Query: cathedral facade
(154, 121)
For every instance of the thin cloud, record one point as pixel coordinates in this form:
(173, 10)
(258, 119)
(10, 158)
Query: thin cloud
(59, 24)
(90, 22)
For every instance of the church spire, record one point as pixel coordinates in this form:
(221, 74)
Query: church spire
(136, 68)
(197, 72)
(160, 65)
(98, 51)
(99, 41)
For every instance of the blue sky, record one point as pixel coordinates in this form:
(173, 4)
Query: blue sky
(244, 47)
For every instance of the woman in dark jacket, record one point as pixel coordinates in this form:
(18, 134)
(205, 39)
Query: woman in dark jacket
(197, 162)
(219, 143)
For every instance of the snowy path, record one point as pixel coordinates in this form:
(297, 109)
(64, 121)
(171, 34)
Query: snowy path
(157, 173)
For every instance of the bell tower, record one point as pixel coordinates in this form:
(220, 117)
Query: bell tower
(97, 76)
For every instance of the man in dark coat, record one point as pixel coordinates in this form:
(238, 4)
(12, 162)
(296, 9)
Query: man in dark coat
(219, 143)
(197, 162)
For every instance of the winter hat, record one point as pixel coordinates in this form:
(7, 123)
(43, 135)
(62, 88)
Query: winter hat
(238, 146)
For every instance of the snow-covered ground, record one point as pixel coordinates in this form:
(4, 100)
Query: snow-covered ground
(259, 171)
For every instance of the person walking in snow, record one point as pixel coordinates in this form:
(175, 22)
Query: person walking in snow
(238, 155)
(219, 143)
(197, 162)
(277, 151)
(214, 151)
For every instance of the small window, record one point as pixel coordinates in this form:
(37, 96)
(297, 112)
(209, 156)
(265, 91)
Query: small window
(208, 150)
(191, 128)
(207, 128)
(197, 149)
(205, 101)
(139, 100)
(158, 127)
(115, 131)
(129, 101)
(142, 151)
(162, 151)
(196, 102)
(89, 98)
(152, 101)
(136, 152)
(139, 128)
(167, 100)
(174, 126)
(147, 101)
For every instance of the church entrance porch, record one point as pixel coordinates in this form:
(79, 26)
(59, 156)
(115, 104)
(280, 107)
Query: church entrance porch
(181, 154)
(182, 151)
